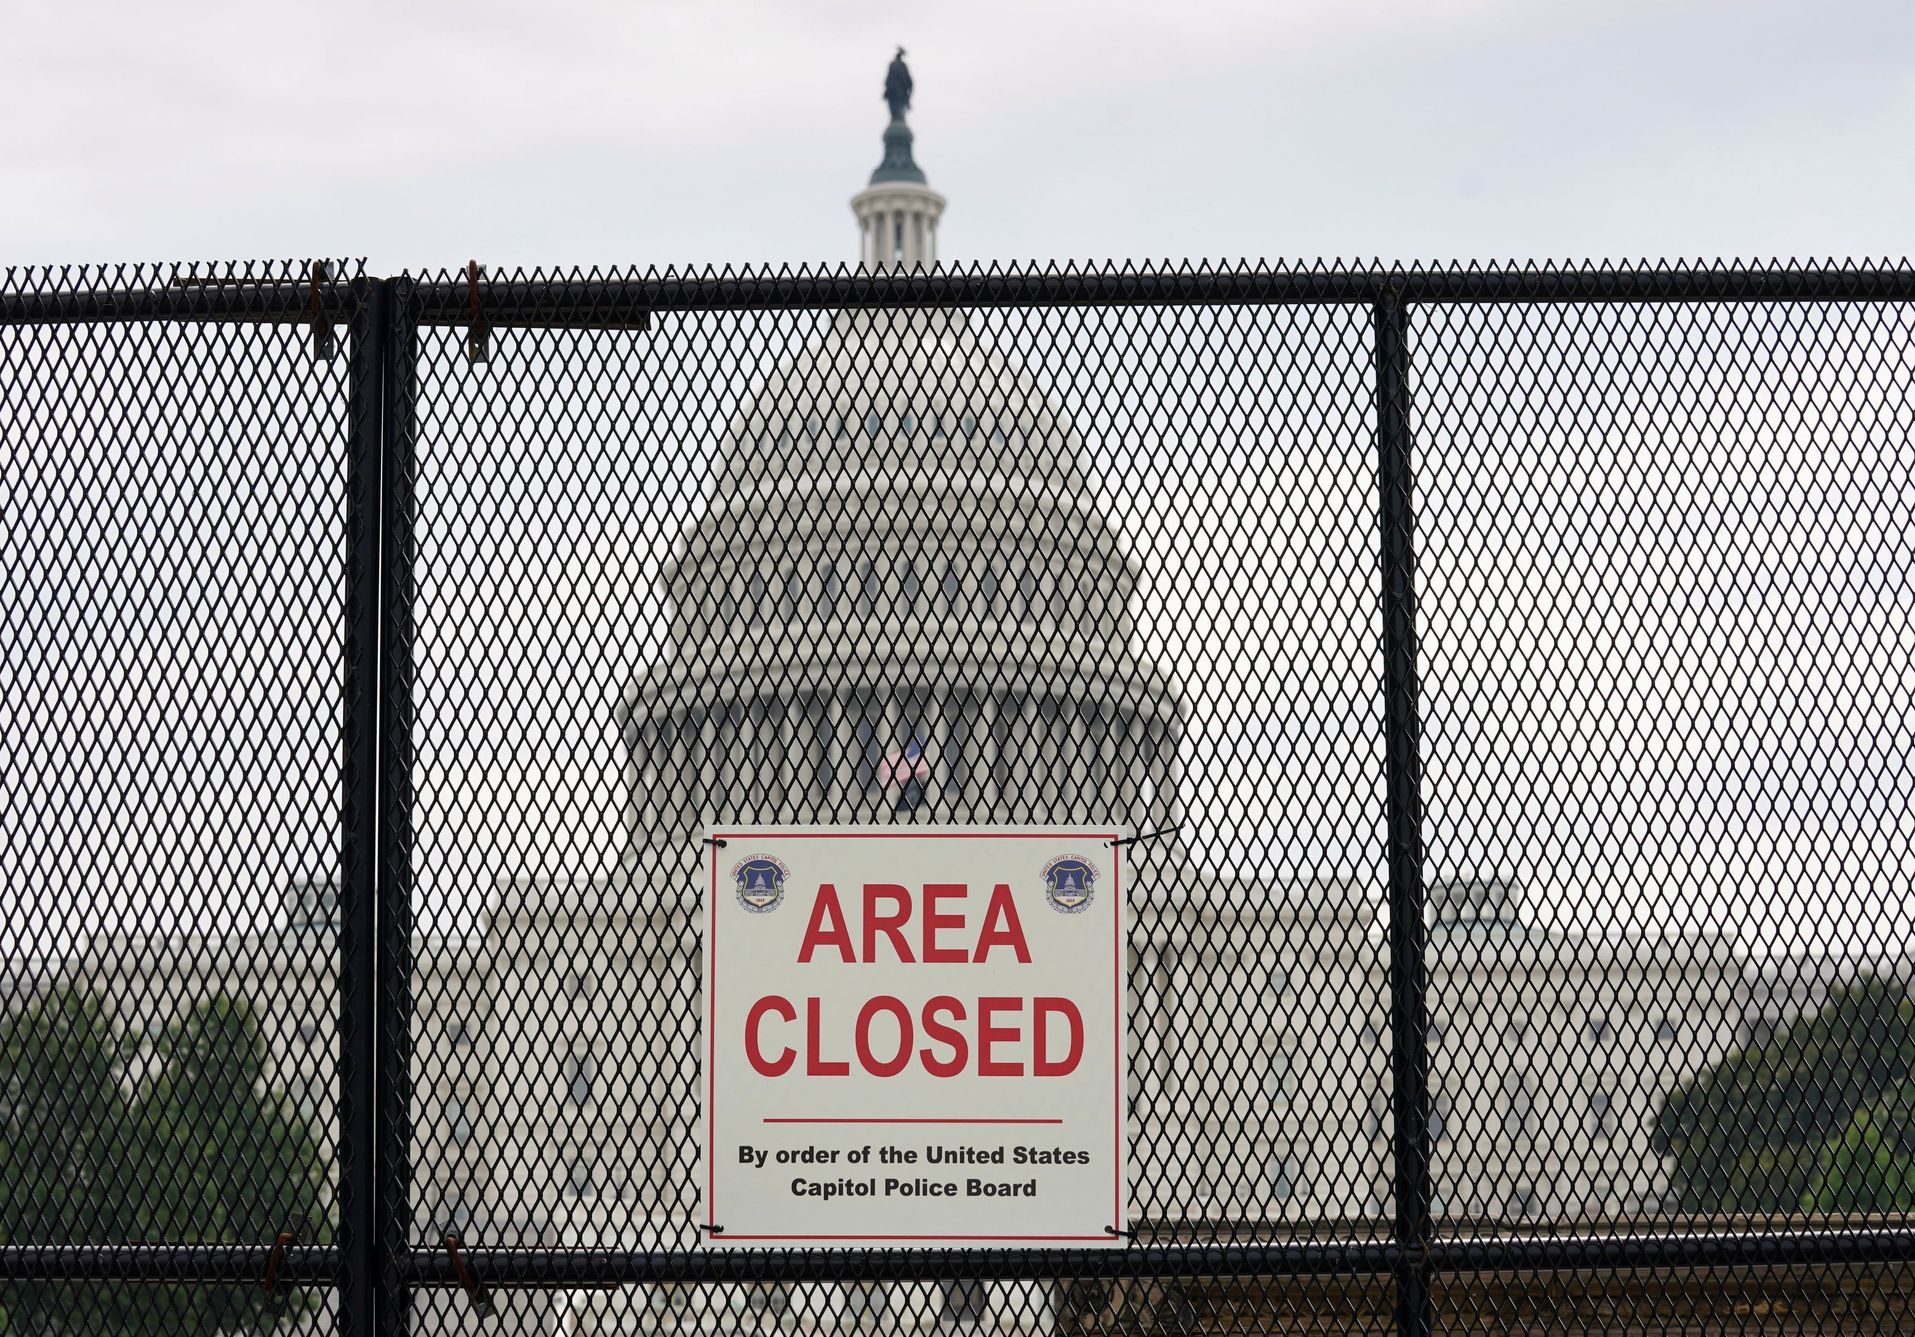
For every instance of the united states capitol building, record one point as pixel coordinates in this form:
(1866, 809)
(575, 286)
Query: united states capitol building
(554, 1097)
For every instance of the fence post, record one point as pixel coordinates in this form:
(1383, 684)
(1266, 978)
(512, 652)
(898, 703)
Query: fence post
(375, 895)
(359, 1207)
(1409, 1017)
(396, 754)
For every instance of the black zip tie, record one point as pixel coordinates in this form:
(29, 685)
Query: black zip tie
(1115, 1233)
(478, 338)
(275, 1292)
(719, 841)
(1148, 835)
(323, 345)
(716, 1230)
(480, 1297)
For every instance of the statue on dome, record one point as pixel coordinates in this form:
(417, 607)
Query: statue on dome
(897, 87)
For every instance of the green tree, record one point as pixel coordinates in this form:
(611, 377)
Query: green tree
(188, 1147)
(1752, 1133)
(1870, 1166)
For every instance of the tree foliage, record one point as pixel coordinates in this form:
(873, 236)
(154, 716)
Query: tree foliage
(106, 1139)
(1795, 1122)
(1870, 1166)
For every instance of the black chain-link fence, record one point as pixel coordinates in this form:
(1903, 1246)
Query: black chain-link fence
(1503, 674)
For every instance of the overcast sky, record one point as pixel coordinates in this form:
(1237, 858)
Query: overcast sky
(425, 132)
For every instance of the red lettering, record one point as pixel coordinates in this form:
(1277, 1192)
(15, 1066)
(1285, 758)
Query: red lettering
(933, 921)
(938, 1032)
(988, 1035)
(820, 933)
(781, 1065)
(890, 925)
(1041, 1064)
(815, 1064)
(1056, 1037)
(1002, 927)
(895, 1065)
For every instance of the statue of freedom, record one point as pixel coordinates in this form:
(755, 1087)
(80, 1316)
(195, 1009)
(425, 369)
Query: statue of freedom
(897, 87)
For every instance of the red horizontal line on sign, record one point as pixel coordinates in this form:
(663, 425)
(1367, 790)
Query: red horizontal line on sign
(1103, 1239)
(917, 835)
(914, 1121)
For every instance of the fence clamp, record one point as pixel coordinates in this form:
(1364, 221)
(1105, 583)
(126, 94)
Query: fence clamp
(324, 345)
(276, 1291)
(481, 1298)
(478, 338)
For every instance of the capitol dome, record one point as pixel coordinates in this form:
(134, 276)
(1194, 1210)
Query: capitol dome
(903, 602)
(902, 554)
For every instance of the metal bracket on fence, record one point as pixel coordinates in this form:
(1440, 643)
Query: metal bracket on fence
(1147, 835)
(478, 338)
(480, 1297)
(324, 344)
(276, 1293)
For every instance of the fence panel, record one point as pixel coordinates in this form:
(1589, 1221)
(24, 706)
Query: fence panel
(835, 564)
(173, 576)
(1668, 596)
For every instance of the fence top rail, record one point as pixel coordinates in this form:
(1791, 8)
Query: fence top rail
(625, 298)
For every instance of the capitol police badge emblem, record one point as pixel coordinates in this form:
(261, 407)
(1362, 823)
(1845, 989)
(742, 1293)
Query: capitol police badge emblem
(760, 880)
(1068, 881)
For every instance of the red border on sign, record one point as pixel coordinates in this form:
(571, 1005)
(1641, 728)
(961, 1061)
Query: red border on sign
(1118, 1045)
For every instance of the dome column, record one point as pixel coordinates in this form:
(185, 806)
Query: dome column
(898, 220)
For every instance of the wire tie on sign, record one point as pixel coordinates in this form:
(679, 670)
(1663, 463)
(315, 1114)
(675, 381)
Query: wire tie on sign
(323, 346)
(480, 1297)
(1115, 1233)
(1147, 835)
(718, 841)
(275, 1292)
(478, 339)
(716, 1230)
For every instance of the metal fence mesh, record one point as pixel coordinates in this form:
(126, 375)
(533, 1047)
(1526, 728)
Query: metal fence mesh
(173, 573)
(1665, 603)
(658, 552)
(891, 566)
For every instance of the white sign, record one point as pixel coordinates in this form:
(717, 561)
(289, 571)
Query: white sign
(914, 1038)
